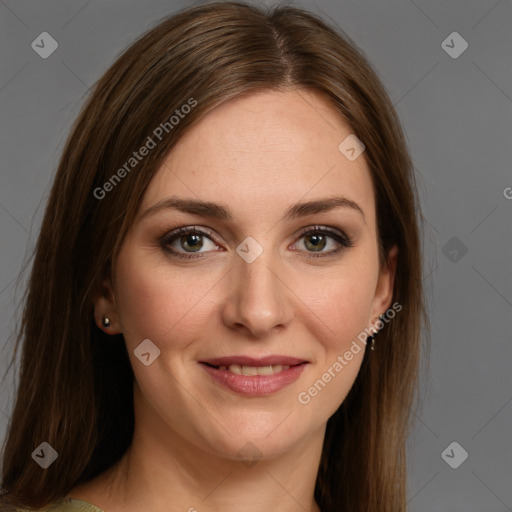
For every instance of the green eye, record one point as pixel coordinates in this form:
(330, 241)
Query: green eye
(316, 239)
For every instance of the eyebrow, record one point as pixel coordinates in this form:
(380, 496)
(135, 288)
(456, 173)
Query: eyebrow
(221, 212)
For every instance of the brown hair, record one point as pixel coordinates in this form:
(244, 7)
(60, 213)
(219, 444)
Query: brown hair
(76, 384)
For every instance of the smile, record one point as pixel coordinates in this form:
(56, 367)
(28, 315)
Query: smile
(254, 370)
(254, 380)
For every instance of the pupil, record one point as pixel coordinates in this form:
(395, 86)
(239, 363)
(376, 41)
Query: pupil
(196, 238)
(320, 240)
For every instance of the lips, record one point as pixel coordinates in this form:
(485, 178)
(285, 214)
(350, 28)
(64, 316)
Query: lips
(252, 376)
(273, 360)
(253, 381)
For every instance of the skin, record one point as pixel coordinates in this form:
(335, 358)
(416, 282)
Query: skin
(257, 155)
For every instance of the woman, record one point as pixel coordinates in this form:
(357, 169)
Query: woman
(233, 219)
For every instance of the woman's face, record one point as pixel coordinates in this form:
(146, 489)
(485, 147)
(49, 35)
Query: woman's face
(253, 285)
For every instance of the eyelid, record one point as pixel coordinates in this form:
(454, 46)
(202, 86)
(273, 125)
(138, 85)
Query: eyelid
(185, 230)
(323, 229)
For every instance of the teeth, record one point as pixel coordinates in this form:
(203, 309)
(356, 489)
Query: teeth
(254, 370)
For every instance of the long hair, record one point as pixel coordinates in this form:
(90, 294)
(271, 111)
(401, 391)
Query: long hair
(75, 386)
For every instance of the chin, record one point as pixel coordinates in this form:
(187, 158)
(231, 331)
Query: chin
(247, 441)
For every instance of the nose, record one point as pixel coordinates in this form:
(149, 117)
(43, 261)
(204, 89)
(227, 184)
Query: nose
(259, 298)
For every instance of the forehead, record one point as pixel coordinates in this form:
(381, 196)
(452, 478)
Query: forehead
(273, 146)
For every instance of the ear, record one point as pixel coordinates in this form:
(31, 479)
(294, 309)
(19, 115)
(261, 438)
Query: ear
(384, 289)
(105, 306)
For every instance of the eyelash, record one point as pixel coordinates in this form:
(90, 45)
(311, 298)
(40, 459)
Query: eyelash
(343, 241)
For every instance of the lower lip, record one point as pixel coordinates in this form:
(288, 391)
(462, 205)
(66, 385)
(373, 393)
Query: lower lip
(257, 385)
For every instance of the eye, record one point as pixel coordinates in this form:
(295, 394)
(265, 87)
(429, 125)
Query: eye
(316, 239)
(185, 241)
(187, 238)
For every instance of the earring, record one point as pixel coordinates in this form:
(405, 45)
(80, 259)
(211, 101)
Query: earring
(105, 321)
(372, 339)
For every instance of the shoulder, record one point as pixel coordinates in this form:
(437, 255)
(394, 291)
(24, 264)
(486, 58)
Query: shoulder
(62, 505)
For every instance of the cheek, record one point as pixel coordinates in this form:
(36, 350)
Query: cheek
(158, 303)
(342, 306)
(340, 316)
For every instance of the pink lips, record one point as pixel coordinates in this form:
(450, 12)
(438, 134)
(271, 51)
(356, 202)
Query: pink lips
(255, 385)
(251, 361)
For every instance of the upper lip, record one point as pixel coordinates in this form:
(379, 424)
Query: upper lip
(251, 361)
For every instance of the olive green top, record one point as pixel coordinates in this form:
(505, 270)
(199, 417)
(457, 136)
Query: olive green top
(67, 505)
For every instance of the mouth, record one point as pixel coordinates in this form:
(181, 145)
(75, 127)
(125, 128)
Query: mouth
(255, 377)
(250, 371)
(244, 365)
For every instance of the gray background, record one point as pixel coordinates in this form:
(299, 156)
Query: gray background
(457, 114)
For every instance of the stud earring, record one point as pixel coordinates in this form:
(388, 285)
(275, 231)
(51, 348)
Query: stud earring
(105, 321)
